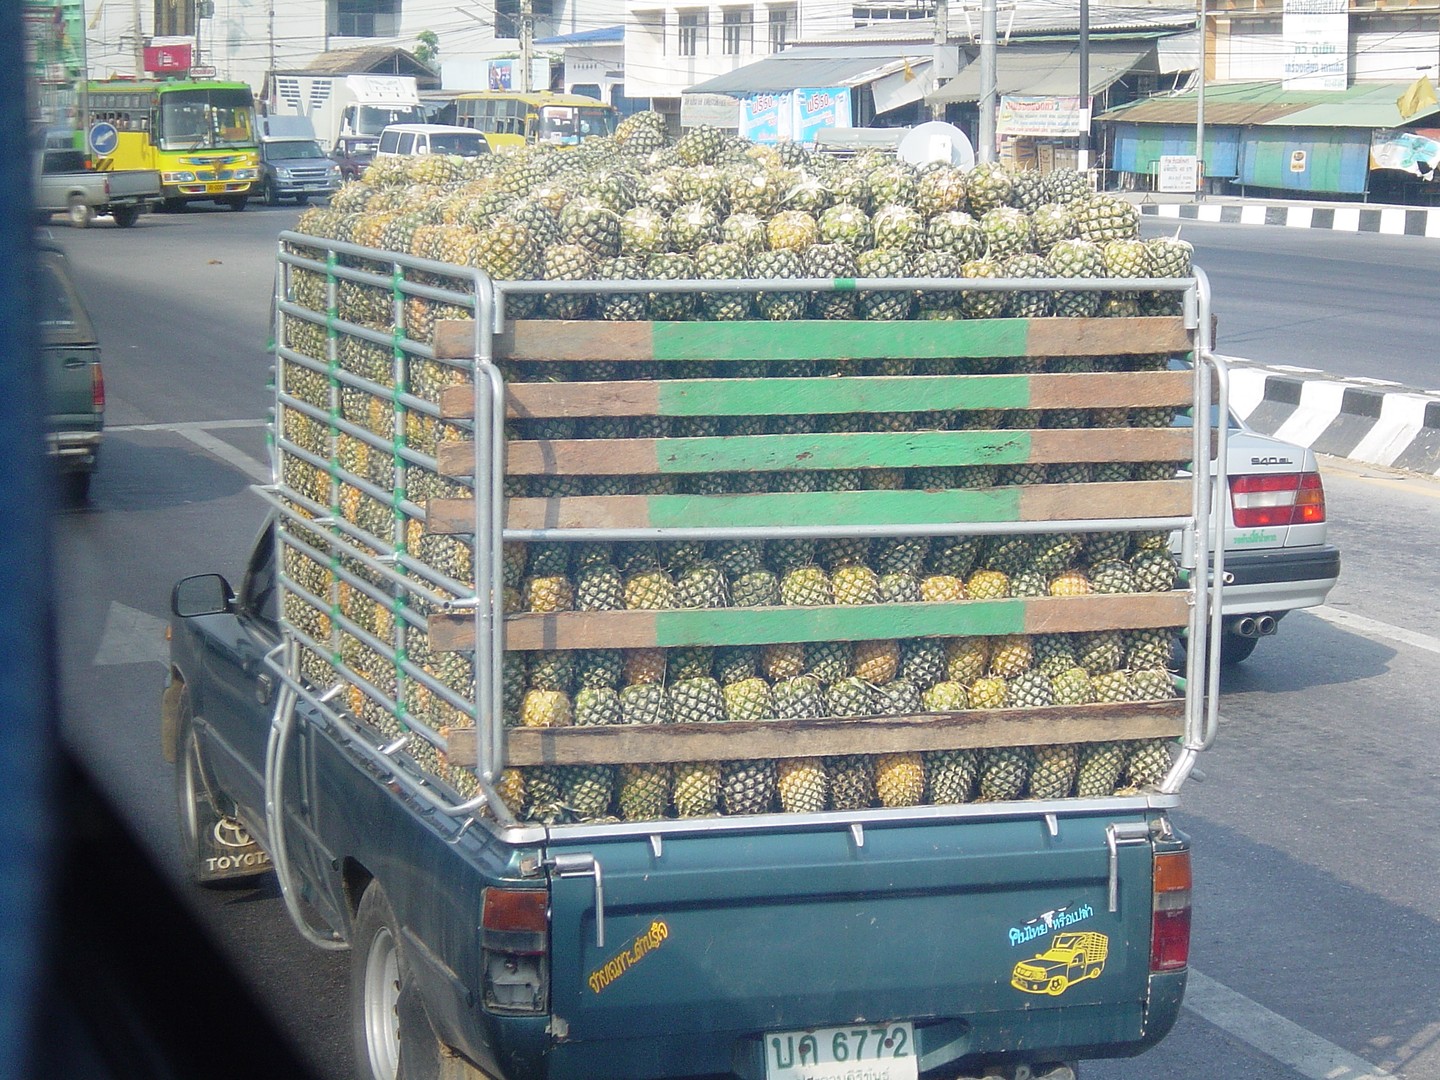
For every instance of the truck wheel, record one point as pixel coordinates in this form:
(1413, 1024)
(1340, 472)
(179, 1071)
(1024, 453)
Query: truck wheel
(79, 211)
(215, 849)
(392, 1036)
(237, 202)
(270, 195)
(77, 488)
(125, 216)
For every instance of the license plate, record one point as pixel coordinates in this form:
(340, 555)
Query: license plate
(210, 189)
(871, 1052)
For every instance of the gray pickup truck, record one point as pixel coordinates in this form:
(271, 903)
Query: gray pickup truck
(75, 381)
(64, 185)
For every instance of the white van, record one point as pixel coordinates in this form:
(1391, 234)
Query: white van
(408, 140)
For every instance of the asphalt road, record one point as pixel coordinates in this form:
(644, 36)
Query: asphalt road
(1315, 938)
(1352, 305)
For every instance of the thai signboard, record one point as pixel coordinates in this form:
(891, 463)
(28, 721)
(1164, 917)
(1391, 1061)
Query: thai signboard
(1315, 36)
(1022, 114)
(820, 109)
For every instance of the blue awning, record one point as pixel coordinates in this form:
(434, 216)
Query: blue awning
(606, 35)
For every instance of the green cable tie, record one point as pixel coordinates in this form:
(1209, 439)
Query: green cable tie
(844, 284)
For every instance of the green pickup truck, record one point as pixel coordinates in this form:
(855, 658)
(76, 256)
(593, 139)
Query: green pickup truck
(70, 354)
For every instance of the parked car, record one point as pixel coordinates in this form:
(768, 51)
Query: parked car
(64, 184)
(353, 154)
(405, 140)
(74, 378)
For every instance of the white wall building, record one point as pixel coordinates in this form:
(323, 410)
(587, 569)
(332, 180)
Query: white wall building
(243, 39)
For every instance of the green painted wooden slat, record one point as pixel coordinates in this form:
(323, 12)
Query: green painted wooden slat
(893, 450)
(783, 397)
(755, 626)
(827, 340)
(834, 508)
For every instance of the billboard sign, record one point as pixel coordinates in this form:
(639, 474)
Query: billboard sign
(1316, 37)
(1044, 117)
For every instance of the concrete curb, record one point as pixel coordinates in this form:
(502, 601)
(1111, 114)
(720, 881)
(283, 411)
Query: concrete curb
(1364, 420)
(1388, 220)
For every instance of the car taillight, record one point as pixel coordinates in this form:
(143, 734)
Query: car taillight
(514, 942)
(97, 388)
(1276, 499)
(1170, 922)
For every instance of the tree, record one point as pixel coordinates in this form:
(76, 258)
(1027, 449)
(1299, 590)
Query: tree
(427, 47)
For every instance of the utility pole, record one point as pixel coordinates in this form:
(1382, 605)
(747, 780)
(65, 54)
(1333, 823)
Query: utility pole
(942, 34)
(1200, 115)
(195, 59)
(988, 95)
(139, 41)
(1083, 156)
(527, 48)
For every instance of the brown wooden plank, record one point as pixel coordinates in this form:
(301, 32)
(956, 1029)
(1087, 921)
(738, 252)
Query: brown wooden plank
(970, 729)
(1078, 390)
(1097, 337)
(455, 632)
(648, 457)
(1038, 502)
(454, 339)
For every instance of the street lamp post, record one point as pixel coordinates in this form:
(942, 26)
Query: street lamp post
(1200, 115)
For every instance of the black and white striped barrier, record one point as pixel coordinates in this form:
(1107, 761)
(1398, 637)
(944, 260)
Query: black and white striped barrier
(1389, 220)
(1363, 419)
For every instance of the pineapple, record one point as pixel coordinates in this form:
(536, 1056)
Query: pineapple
(900, 779)
(643, 791)
(597, 706)
(747, 787)
(782, 660)
(877, 661)
(807, 586)
(1054, 770)
(1100, 767)
(696, 788)
(830, 661)
(748, 700)
(803, 785)
(1004, 771)
(587, 790)
(950, 775)
(644, 703)
(852, 781)
(546, 709)
(1148, 763)
(696, 700)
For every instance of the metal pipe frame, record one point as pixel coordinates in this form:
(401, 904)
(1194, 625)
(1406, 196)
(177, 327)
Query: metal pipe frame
(487, 301)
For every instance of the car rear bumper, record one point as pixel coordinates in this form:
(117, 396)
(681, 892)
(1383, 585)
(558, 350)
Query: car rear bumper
(1278, 580)
(75, 450)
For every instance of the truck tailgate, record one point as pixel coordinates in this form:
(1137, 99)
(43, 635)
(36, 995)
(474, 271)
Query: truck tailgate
(724, 936)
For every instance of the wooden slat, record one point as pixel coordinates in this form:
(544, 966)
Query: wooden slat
(1038, 502)
(451, 632)
(862, 450)
(850, 394)
(970, 729)
(568, 342)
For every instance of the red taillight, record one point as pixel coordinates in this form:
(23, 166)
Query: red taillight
(1170, 922)
(97, 388)
(516, 911)
(1276, 499)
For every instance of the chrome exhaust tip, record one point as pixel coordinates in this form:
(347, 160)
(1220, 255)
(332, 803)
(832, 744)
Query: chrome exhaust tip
(1246, 627)
(1266, 625)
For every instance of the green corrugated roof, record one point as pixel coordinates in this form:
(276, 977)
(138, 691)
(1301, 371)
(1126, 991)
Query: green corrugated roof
(1363, 105)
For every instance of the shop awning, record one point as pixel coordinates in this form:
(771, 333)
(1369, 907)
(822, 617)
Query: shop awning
(1363, 105)
(821, 66)
(1049, 70)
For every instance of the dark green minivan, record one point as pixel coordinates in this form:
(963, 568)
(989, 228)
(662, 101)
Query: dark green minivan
(70, 354)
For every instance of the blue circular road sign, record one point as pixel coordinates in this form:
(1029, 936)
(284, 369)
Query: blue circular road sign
(103, 139)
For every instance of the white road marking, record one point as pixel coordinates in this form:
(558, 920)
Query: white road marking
(199, 434)
(1270, 1033)
(131, 637)
(1374, 628)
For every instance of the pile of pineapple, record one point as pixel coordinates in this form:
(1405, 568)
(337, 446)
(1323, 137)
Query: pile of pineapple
(707, 207)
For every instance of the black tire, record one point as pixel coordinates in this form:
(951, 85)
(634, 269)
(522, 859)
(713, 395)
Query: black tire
(77, 488)
(172, 205)
(125, 216)
(79, 212)
(390, 1031)
(269, 194)
(237, 203)
(302, 199)
(1234, 649)
(214, 849)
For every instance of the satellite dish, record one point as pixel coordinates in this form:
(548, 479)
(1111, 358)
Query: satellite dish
(935, 140)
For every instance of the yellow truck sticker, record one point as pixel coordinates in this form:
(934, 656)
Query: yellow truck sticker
(1071, 958)
(641, 947)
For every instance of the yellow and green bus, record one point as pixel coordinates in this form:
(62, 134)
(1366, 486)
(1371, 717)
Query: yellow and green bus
(510, 118)
(199, 135)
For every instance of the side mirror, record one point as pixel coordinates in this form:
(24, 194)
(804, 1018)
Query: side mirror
(204, 594)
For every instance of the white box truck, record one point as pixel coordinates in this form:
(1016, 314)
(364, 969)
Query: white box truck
(344, 105)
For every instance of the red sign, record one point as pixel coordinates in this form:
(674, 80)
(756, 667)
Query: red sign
(167, 58)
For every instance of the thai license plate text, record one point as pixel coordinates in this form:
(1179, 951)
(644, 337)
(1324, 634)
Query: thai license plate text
(859, 1052)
